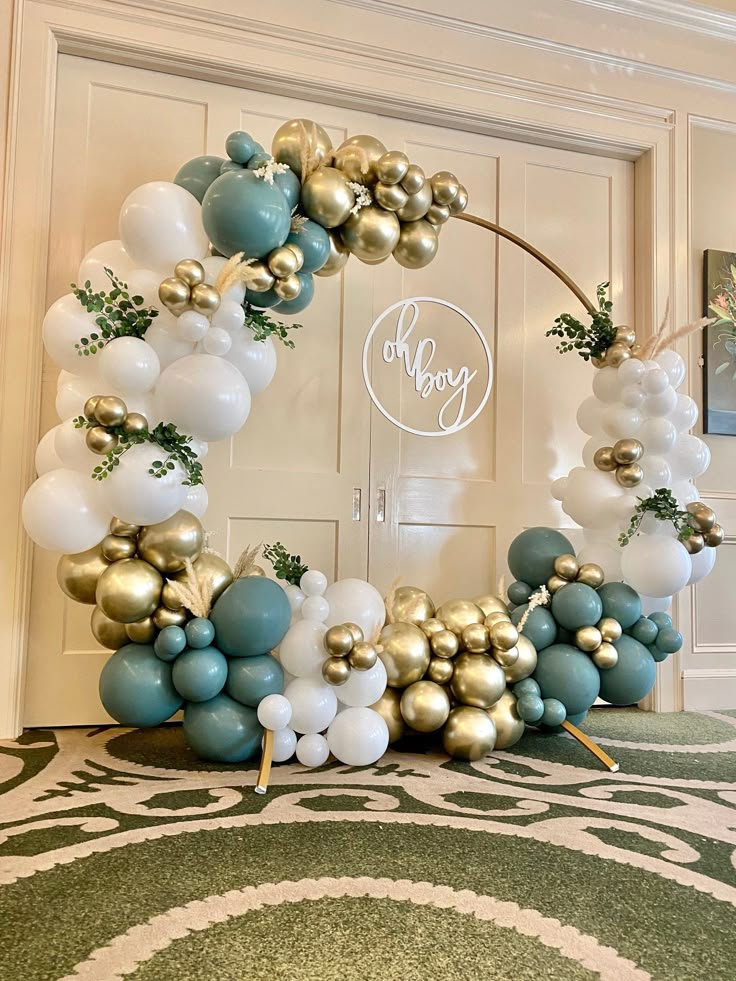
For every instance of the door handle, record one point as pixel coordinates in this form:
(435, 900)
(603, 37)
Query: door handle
(381, 504)
(357, 501)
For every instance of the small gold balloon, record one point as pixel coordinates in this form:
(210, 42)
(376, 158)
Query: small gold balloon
(100, 441)
(468, 734)
(411, 605)
(627, 451)
(289, 139)
(588, 638)
(714, 537)
(129, 590)
(525, 663)
(110, 410)
(298, 253)
(504, 635)
(205, 299)
(123, 528)
(169, 598)
(509, 726)
(491, 604)
(339, 255)
(458, 614)
(107, 632)
(283, 262)
(338, 640)
(505, 658)
(702, 518)
(556, 582)
(637, 351)
(437, 214)
(357, 158)
(135, 423)
(625, 335)
(445, 187)
(336, 670)
(391, 166)
(694, 543)
(425, 706)
(190, 271)
(164, 617)
(372, 233)
(432, 626)
(174, 294)
(630, 475)
(388, 707)
(116, 547)
(603, 459)
(476, 638)
(418, 204)
(444, 643)
(440, 669)
(477, 680)
(460, 202)
(212, 572)
(142, 632)
(417, 244)
(90, 405)
(168, 544)
(591, 574)
(610, 629)
(326, 197)
(605, 657)
(414, 179)
(496, 617)
(356, 632)
(363, 656)
(390, 196)
(288, 288)
(404, 650)
(566, 566)
(78, 574)
(617, 353)
(260, 277)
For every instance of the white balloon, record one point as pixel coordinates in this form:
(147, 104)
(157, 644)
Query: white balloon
(255, 360)
(107, 254)
(199, 448)
(651, 525)
(657, 435)
(685, 414)
(652, 604)
(161, 335)
(606, 384)
(363, 687)
(313, 583)
(145, 283)
(197, 500)
(633, 396)
(274, 712)
(191, 326)
(655, 381)
(312, 750)
(662, 404)
(702, 563)
(135, 496)
(656, 470)
(302, 649)
(217, 342)
(161, 223)
(655, 565)
(358, 737)
(284, 745)
(315, 608)
(690, 457)
(229, 316)
(621, 422)
(65, 324)
(356, 601)
(71, 396)
(213, 266)
(129, 365)
(607, 556)
(685, 492)
(295, 597)
(630, 372)
(71, 448)
(589, 451)
(203, 396)
(46, 456)
(674, 365)
(63, 512)
(588, 491)
(590, 415)
(559, 487)
(313, 704)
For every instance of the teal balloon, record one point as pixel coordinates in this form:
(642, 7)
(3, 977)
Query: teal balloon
(136, 687)
(265, 300)
(576, 605)
(661, 619)
(200, 632)
(251, 617)
(314, 242)
(532, 554)
(240, 146)
(222, 730)
(565, 636)
(669, 640)
(565, 673)
(656, 653)
(250, 679)
(577, 719)
(170, 642)
(554, 712)
(197, 174)
(519, 593)
(229, 165)
(287, 308)
(620, 602)
(242, 213)
(632, 677)
(530, 708)
(540, 626)
(527, 686)
(200, 673)
(645, 631)
(288, 184)
(259, 159)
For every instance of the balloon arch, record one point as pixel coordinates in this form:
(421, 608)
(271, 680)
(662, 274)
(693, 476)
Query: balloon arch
(162, 346)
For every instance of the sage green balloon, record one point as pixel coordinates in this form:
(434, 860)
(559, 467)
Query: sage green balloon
(198, 173)
(519, 592)
(633, 675)
(577, 605)
(621, 602)
(532, 554)
(250, 679)
(540, 626)
(314, 242)
(565, 673)
(242, 213)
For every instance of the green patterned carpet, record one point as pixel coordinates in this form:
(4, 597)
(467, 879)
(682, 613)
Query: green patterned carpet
(122, 856)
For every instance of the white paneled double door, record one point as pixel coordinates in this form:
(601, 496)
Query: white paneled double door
(316, 466)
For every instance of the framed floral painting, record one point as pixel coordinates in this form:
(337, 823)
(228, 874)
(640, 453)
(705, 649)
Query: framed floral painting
(719, 343)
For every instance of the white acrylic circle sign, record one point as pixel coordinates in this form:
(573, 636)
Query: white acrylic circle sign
(417, 356)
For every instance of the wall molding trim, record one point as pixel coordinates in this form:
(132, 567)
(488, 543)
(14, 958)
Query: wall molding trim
(679, 14)
(708, 688)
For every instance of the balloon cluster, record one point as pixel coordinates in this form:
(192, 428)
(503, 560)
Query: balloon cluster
(621, 459)
(348, 650)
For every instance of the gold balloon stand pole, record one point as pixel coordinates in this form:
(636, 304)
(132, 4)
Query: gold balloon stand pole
(264, 770)
(586, 741)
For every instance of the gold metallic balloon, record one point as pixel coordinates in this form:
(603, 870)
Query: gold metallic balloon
(110, 410)
(469, 733)
(390, 196)
(605, 657)
(298, 253)
(174, 294)
(388, 707)
(425, 706)
(363, 656)
(89, 407)
(610, 629)
(372, 233)
(116, 547)
(588, 638)
(100, 441)
(627, 451)
(476, 638)
(617, 353)
(556, 582)
(391, 167)
(525, 664)
(164, 617)
(338, 640)
(404, 650)
(107, 632)
(432, 626)
(283, 262)
(477, 680)
(458, 614)
(702, 518)
(591, 574)
(142, 632)
(630, 475)
(714, 537)
(356, 632)
(445, 187)
(440, 669)
(625, 335)
(444, 643)
(257, 570)
(168, 544)
(288, 144)
(129, 590)
(78, 574)
(603, 459)
(411, 605)
(211, 571)
(326, 197)
(339, 255)
(123, 528)
(191, 271)
(356, 153)
(694, 543)
(566, 566)
(460, 201)
(637, 351)
(135, 423)
(496, 617)
(437, 214)
(205, 299)
(417, 245)
(288, 288)
(418, 204)
(509, 726)
(260, 277)
(414, 179)
(505, 658)
(169, 599)
(504, 635)
(491, 604)
(336, 670)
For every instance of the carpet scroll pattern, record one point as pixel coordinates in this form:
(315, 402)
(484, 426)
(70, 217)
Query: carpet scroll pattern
(123, 856)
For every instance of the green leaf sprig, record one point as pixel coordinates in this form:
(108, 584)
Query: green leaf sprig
(263, 326)
(589, 341)
(664, 507)
(119, 314)
(287, 567)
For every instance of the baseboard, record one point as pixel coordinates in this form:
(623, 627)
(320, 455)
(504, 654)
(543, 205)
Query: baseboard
(708, 688)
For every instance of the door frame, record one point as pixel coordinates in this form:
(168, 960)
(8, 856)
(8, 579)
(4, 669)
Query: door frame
(235, 50)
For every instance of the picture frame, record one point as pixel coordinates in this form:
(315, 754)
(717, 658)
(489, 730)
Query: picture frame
(719, 343)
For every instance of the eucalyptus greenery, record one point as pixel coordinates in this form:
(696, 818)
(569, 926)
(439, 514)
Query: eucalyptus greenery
(119, 314)
(175, 446)
(589, 342)
(664, 508)
(263, 326)
(287, 567)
